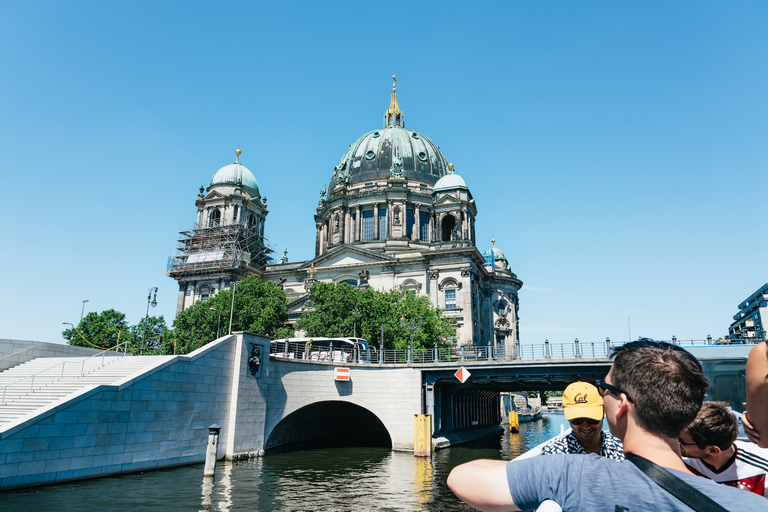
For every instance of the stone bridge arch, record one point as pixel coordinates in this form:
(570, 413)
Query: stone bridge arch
(330, 422)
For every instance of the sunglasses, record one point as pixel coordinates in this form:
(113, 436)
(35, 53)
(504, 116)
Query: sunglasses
(579, 421)
(603, 387)
(681, 443)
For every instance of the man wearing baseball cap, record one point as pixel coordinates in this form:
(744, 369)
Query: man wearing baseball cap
(583, 407)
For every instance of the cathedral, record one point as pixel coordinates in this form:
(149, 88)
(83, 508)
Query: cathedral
(394, 215)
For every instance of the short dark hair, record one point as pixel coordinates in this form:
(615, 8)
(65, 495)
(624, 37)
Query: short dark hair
(666, 384)
(715, 425)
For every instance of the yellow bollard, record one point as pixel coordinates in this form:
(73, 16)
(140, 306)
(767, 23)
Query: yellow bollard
(513, 422)
(422, 435)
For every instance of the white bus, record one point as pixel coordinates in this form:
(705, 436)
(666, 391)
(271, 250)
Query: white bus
(339, 350)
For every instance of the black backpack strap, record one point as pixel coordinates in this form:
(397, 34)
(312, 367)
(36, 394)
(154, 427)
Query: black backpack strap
(686, 493)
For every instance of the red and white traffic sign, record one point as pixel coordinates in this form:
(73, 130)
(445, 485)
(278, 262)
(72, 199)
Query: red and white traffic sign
(462, 374)
(341, 374)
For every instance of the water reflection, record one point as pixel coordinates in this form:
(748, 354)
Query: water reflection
(328, 479)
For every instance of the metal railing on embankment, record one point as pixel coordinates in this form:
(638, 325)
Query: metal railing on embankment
(53, 374)
(464, 353)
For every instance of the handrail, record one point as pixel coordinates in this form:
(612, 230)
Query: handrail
(63, 363)
(464, 353)
(20, 351)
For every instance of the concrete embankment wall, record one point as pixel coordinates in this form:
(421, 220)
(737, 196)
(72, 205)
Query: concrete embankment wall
(155, 420)
(15, 352)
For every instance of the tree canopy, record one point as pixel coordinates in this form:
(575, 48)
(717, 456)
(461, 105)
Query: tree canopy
(333, 307)
(98, 330)
(258, 307)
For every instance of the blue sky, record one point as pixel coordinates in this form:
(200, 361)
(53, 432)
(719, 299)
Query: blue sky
(616, 150)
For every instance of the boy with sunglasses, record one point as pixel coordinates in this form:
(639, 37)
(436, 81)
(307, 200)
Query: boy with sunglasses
(583, 407)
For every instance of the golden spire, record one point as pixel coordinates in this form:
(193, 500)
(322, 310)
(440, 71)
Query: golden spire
(238, 153)
(393, 115)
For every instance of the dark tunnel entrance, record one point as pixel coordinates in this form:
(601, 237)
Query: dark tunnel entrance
(332, 424)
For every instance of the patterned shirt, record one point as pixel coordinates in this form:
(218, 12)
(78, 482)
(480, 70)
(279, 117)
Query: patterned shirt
(610, 445)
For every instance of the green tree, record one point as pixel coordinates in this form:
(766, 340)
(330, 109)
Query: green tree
(98, 330)
(156, 339)
(258, 307)
(333, 307)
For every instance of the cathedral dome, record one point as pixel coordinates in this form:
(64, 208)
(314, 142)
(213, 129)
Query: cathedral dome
(235, 174)
(391, 151)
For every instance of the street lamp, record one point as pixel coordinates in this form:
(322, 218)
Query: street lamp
(411, 328)
(218, 326)
(153, 302)
(355, 312)
(72, 332)
(82, 310)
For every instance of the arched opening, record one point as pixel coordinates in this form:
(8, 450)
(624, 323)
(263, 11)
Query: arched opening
(214, 219)
(251, 221)
(449, 223)
(331, 424)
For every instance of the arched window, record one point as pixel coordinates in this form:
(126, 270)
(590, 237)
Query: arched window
(205, 292)
(214, 219)
(251, 221)
(351, 282)
(449, 223)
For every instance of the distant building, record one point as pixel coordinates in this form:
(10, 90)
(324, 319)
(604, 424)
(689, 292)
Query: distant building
(750, 321)
(394, 215)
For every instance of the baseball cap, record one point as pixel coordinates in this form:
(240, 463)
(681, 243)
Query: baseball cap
(582, 400)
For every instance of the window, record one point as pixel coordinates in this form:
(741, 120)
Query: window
(409, 223)
(368, 226)
(383, 224)
(424, 226)
(450, 299)
(351, 282)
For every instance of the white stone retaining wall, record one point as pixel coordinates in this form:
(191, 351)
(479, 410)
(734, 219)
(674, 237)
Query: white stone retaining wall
(158, 419)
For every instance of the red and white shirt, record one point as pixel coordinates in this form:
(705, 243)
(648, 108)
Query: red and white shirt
(746, 470)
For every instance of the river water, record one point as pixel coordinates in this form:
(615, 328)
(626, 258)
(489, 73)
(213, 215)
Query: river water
(332, 479)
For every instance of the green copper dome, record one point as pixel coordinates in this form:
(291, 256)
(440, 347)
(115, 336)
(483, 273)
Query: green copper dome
(450, 182)
(235, 174)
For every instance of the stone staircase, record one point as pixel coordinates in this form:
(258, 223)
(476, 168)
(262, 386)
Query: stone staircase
(27, 389)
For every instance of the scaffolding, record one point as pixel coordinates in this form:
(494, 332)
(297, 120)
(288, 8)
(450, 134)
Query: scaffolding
(231, 248)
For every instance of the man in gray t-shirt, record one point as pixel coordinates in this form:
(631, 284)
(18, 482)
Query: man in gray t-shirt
(652, 392)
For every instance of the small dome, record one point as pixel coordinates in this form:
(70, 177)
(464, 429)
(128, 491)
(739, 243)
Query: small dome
(450, 182)
(498, 259)
(234, 174)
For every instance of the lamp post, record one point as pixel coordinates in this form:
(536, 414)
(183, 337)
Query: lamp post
(71, 333)
(411, 328)
(82, 310)
(355, 312)
(218, 324)
(153, 302)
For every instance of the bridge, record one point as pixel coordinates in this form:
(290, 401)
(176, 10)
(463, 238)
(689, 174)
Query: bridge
(156, 412)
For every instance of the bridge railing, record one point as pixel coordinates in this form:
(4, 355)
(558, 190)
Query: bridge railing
(501, 352)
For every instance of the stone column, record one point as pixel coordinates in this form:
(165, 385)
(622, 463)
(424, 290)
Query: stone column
(416, 227)
(358, 224)
(318, 239)
(347, 226)
(464, 223)
(376, 221)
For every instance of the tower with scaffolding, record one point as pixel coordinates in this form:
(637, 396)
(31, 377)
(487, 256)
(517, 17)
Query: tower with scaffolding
(227, 242)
